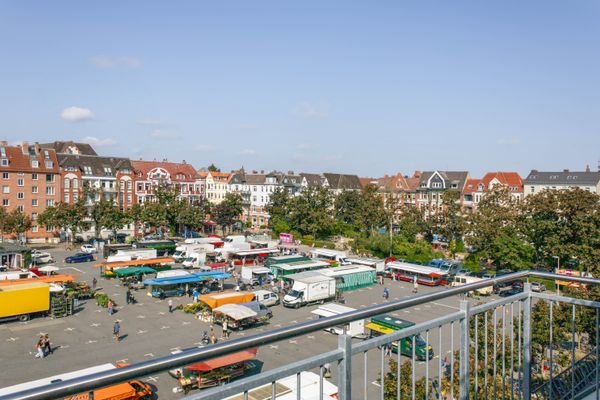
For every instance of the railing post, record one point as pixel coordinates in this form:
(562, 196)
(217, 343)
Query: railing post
(345, 368)
(464, 352)
(526, 384)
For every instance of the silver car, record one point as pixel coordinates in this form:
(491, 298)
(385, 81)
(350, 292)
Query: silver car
(538, 287)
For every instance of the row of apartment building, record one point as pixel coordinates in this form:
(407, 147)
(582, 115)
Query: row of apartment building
(36, 176)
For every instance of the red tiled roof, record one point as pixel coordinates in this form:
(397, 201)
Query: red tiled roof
(511, 179)
(471, 186)
(19, 162)
(174, 169)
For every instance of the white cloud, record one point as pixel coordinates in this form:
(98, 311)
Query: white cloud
(97, 142)
(162, 134)
(107, 62)
(247, 152)
(311, 111)
(76, 114)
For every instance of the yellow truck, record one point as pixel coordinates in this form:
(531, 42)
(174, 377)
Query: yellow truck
(21, 301)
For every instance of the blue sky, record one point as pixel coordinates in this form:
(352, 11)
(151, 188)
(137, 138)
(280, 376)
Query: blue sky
(359, 87)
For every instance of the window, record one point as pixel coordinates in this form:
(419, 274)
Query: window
(67, 183)
(34, 189)
(107, 171)
(34, 177)
(49, 164)
(66, 199)
(129, 186)
(5, 202)
(75, 196)
(75, 183)
(34, 216)
(20, 208)
(5, 189)
(49, 203)
(5, 175)
(35, 164)
(20, 195)
(20, 182)
(34, 202)
(129, 198)
(46, 155)
(49, 177)
(34, 228)
(50, 190)
(49, 228)
(87, 170)
(5, 162)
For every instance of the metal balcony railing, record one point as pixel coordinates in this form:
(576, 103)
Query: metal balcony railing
(493, 358)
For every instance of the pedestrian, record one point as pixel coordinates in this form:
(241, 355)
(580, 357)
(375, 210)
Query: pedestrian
(195, 294)
(213, 338)
(117, 330)
(327, 370)
(128, 296)
(40, 348)
(415, 285)
(47, 345)
(94, 283)
(386, 293)
(388, 349)
(225, 332)
(381, 279)
(170, 305)
(110, 306)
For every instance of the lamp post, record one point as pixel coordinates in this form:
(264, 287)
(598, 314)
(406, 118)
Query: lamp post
(557, 268)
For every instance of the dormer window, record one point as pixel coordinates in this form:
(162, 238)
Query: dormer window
(107, 171)
(2, 152)
(49, 164)
(87, 170)
(35, 164)
(46, 155)
(5, 162)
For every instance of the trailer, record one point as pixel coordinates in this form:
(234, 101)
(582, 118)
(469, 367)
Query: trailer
(376, 263)
(22, 301)
(285, 259)
(351, 277)
(354, 328)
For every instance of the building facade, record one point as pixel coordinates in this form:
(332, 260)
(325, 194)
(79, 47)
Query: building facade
(215, 184)
(538, 181)
(433, 185)
(30, 183)
(149, 175)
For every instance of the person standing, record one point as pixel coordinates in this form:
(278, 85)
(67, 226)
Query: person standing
(225, 332)
(195, 295)
(117, 330)
(47, 345)
(110, 306)
(415, 285)
(40, 348)
(128, 296)
(386, 293)
(94, 283)
(170, 305)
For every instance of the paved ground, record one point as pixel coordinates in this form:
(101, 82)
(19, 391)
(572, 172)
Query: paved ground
(149, 330)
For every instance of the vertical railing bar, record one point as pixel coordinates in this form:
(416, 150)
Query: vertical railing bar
(298, 386)
(551, 349)
(573, 352)
(495, 353)
(414, 369)
(503, 352)
(321, 377)
(526, 383)
(597, 353)
(519, 336)
(344, 376)
(398, 373)
(383, 350)
(365, 374)
(245, 395)
(465, 345)
(427, 364)
(512, 351)
(452, 359)
(485, 355)
(274, 389)
(476, 355)
(440, 372)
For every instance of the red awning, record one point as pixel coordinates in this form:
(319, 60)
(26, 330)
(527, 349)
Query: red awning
(224, 361)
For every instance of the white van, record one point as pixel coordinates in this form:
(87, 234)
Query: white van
(331, 255)
(266, 297)
(460, 280)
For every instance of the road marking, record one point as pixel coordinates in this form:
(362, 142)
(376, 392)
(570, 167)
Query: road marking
(427, 306)
(91, 341)
(294, 322)
(396, 298)
(123, 360)
(164, 327)
(141, 316)
(374, 304)
(152, 379)
(273, 346)
(12, 339)
(309, 317)
(161, 313)
(69, 329)
(117, 285)
(406, 312)
(376, 383)
(149, 355)
(116, 294)
(417, 309)
(99, 310)
(140, 332)
(362, 305)
(175, 348)
(293, 342)
(310, 337)
(445, 305)
(139, 304)
(241, 334)
(65, 346)
(278, 326)
(185, 323)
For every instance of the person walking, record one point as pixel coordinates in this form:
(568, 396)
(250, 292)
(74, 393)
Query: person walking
(128, 296)
(213, 338)
(195, 294)
(415, 285)
(117, 330)
(94, 283)
(47, 345)
(225, 331)
(40, 348)
(170, 305)
(386, 293)
(110, 306)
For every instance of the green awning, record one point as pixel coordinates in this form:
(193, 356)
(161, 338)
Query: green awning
(129, 271)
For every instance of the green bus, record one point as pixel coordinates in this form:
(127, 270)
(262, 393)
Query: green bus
(385, 324)
(163, 247)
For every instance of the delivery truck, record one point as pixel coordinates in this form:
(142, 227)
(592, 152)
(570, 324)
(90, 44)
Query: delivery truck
(23, 301)
(354, 328)
(308, 288)
(256, 275)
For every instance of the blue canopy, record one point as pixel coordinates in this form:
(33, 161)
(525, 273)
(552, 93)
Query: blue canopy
(191, 278)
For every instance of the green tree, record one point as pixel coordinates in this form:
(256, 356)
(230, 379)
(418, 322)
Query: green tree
(348, 206)
(279, 211)
(372, 213)
(411, 223)
(229, 211)
(18, 223)
(4, 222)
(391, 381)
(70, 217)
(311, 213)
(101, 212)
(190, 216)
(213, 168)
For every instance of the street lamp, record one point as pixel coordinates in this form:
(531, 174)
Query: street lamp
(557, 269)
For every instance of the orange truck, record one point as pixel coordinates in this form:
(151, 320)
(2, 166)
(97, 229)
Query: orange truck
(215, 300)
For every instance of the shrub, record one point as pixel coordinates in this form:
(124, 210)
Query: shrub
(102, 300)
(194, 308)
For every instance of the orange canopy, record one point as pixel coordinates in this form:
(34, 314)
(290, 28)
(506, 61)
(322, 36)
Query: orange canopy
(215, 300)
(132, 263)
(46, 279)
(224, 361)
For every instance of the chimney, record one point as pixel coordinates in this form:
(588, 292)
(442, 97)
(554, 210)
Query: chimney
(290, 172)
(25, 147)
(183, 162)
(254, 171)
(565, 171)
(262, 171)
(587, 168)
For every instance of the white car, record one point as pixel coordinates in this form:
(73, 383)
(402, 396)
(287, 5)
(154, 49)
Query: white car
(538, 287)
(41, 257)
(89, 249)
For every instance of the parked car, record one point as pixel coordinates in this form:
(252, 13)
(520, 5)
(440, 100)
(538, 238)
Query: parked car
(89, 248)
(79, 257)
(513, 291)
(538, 287)
(41, 257)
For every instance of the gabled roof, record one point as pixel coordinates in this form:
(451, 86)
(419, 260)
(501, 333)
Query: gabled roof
(312, 180)
(70, 147)
(565, 177)
(20, 158)
(449, 177)
(177, 172)
(343, 181)
(510, 179)
(472, 186)
(97, 165)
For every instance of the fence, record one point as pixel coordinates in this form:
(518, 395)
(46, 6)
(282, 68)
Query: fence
(494, 358)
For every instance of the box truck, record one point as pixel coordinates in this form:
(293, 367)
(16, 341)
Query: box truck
(338, 257)
(308, 288)
(256, 275)
(22, 301)
(354, 328)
